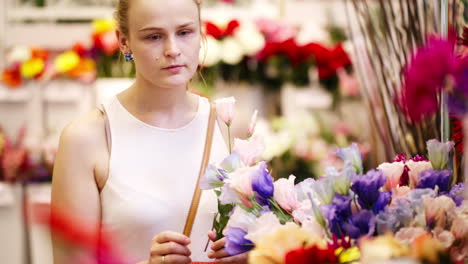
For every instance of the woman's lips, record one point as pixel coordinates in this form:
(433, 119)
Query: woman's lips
(174, 68)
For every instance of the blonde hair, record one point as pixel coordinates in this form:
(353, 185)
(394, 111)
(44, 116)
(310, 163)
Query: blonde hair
(121, 15)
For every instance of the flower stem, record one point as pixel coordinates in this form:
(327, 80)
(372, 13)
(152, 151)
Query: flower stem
(229, 138)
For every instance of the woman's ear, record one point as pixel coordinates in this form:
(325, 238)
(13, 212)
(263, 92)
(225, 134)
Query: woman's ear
(123, 42)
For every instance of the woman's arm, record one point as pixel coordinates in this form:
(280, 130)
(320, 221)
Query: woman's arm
(74, 189)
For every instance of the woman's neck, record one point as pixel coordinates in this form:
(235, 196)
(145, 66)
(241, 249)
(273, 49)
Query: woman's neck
(163, 107)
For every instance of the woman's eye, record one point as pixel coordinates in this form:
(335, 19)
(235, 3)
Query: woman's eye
(185, 32)
(154, 37)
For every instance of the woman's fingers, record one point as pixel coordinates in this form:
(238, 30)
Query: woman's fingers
(218, 254)
(237, 259)
(170, 248)
(218, 244)
(176, 259)
(212, 235)
(170, 236)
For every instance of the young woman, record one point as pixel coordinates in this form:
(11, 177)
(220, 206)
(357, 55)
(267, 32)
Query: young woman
(131, 168)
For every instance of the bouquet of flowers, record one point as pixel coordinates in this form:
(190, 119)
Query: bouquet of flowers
(23, 64)
(332, 219)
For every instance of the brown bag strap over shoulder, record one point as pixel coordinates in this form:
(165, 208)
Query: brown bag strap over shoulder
(206, 157)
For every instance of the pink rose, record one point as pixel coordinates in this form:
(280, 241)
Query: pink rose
(393, 172)
(249, 150)
(436, 209)
(285, 194)
(415, 168)
(225, 109)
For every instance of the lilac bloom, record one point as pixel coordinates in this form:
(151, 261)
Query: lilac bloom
(323, 189)
(353, 155)
(457, 193)
(329, 212)
(367, 186)
(361, 223)
(415, 197)
(386, 222)
(236, 243)
(432, 178)
(262, 182)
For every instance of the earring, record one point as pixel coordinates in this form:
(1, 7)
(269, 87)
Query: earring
(128, 57)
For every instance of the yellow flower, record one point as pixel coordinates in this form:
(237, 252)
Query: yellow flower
(101, 26)
(381, 248)
(272, 248)
(349, 255)
(66, 61)
(32, 67)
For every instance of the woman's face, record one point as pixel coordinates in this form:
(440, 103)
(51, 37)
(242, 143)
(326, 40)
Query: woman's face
(164, 37)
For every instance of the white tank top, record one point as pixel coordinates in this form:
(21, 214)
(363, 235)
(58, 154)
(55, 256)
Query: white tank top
(152, 176)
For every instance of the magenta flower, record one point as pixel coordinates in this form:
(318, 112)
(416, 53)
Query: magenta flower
(423, 83)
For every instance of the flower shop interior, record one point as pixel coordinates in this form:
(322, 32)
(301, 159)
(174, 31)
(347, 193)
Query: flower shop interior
(350, 116)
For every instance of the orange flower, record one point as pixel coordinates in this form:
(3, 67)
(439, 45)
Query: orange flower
(39, 54)
(12, 78)
(84, 66)
(427, 248)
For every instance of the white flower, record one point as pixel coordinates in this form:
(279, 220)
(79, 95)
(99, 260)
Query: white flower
(232, 51)
(241, 219)
(262, 226)
(210, 52)
(19, 54)
(250, 38)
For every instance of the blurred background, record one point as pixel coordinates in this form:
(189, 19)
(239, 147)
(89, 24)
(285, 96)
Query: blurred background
(295, 61)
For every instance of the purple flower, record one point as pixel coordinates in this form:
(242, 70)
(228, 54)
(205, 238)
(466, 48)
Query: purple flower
(432, 178)
(262, 182)
(361, 223)
(367, 186)
(458, 97)
(457, 193)
(236, 243)
(337, 212)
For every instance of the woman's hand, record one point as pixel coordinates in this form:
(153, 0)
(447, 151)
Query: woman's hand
(170, 248)
(219, 253)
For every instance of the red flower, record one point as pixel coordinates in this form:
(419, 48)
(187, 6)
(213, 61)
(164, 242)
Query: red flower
(311, 255)
(79, 49)
(327, 61)
(218, 33)
(12, 77)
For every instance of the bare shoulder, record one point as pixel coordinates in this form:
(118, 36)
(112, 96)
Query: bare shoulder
(87, 131)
